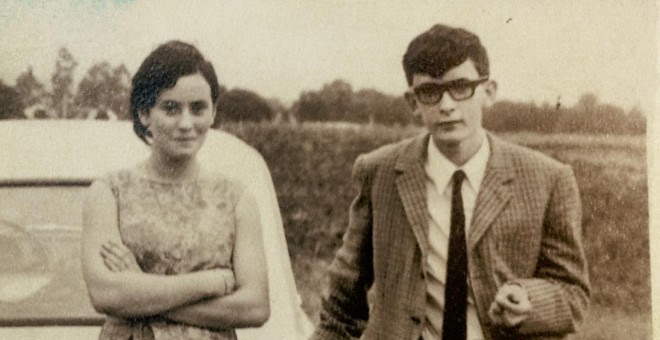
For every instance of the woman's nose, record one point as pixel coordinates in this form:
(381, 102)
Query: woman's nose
(186, 120)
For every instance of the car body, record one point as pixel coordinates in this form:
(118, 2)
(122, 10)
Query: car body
(45, 169)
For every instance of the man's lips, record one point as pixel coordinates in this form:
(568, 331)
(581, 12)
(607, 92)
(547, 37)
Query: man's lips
(449, 123)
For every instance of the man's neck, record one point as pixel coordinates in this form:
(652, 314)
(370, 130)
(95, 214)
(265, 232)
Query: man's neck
(460, 153)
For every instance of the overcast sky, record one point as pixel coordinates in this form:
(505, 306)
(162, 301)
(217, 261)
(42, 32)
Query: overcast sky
(539, 50)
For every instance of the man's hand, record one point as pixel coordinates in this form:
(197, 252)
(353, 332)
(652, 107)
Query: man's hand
(511, 306)
(118, 258)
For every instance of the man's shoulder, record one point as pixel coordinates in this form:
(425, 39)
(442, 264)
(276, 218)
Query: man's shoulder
(388, 154)
(526, 158)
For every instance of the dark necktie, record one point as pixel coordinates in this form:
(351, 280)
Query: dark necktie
(454, 324)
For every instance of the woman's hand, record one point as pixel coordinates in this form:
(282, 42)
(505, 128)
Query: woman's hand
(118, 258)
(229, 280)
(220, 281)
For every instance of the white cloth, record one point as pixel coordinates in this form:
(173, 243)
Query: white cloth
(439, 171)
(234, 158)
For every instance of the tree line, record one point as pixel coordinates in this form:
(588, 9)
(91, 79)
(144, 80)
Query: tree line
(103, 93)
(586, 116)
(336, 101)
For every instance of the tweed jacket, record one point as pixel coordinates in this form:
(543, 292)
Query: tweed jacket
(526, 229)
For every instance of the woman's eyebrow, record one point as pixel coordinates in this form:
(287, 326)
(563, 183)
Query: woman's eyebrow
(199, 102)
(169, 102)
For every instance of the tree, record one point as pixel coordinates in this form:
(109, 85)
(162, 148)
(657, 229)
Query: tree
(371, 106)
(589, 116)
(280, 111)
(11, 106)
(608, 118)
(242, 105)
(30, 89)
(62, 81)
(586, 116)
(309, 107)
(636, 121)
(104, 90)
(333, 102)
(366, 106)
(338, 99)
(397, 111)
(579, 117)
(504, 115)
(588, 101)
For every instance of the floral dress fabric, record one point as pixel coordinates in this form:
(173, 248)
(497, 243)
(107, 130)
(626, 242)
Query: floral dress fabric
(173, 228)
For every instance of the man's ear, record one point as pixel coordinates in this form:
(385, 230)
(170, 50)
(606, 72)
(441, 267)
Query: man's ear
(414, 106)
(410, 99)
(491, 92)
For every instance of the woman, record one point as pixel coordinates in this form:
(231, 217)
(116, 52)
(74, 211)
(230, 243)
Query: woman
(169, 250)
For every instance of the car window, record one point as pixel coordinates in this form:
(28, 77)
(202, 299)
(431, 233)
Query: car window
(40, 273)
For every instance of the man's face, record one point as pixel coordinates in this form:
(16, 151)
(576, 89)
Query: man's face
(452, 121)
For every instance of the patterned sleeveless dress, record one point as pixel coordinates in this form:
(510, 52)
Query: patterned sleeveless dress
(172, 228)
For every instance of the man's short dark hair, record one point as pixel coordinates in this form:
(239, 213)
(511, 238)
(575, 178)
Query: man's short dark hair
(441, 48)
(160, 71)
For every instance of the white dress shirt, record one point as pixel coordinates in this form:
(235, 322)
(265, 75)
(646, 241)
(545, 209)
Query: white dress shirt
(439, 171)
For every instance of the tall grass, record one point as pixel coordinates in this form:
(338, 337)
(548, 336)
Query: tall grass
(311, 167)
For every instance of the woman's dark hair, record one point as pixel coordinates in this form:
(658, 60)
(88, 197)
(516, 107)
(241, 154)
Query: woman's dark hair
(442, 48)
(160, 71)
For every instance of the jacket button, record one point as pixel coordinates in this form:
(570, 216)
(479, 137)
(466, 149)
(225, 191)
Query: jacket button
(415, 319)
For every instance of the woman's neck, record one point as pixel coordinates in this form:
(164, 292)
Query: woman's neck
(171, 169)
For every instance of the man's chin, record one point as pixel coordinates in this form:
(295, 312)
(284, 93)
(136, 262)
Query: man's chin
(448, 139)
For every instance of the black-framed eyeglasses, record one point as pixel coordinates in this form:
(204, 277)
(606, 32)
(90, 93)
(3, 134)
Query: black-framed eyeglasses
(460, 89)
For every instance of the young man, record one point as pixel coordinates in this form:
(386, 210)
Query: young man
(457, 234)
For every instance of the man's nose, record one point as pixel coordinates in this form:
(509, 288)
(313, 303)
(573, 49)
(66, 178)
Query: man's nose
(447, 104)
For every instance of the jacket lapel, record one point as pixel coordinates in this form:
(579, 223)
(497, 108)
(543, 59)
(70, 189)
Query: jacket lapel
(494, 193)
(411, 185)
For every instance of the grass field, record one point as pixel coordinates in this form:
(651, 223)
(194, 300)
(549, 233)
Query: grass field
(311, 166)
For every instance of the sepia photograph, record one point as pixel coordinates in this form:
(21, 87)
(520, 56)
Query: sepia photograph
(328, 169)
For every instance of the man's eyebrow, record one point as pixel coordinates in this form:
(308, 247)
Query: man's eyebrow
(455, 81)
(447, 83)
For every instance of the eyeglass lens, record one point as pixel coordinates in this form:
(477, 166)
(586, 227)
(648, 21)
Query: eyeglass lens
(432, 93)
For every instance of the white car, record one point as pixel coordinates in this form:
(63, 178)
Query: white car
(45, 167)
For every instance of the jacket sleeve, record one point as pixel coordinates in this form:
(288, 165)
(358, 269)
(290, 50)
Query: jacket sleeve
(560, 290)
(345, 310)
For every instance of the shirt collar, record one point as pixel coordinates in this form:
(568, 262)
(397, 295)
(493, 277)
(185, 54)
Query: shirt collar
(441, 169)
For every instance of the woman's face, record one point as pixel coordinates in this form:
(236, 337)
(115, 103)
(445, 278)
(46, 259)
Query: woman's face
(180, 118)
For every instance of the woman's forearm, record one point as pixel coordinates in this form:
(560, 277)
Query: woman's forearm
(247, 307)
(126, 291)
(132, 294)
